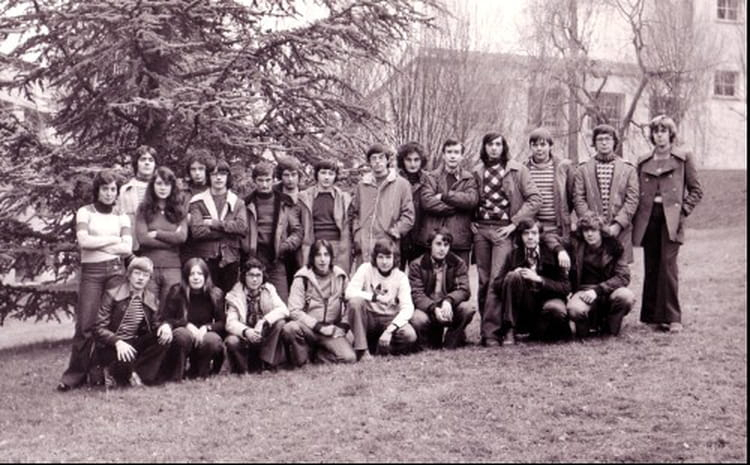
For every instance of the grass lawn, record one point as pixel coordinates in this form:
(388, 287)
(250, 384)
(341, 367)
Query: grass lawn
(642, 397)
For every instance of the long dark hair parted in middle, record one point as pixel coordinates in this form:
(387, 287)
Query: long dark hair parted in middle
(174, 209)
(489, 137)
(316, 247)
(208, 284)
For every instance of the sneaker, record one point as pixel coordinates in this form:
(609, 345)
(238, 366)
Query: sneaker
(509, 339)
(135, 380)
(109, 380)
(675, 327)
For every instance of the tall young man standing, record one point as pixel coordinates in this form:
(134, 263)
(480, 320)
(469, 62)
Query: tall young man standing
(554, 177)
(608, 185)
(218, 223)
(274, 232)
(449, 200)
(324, 214)
(382, 206)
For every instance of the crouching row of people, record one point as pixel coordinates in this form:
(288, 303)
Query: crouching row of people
(534, 295)
(329, 318)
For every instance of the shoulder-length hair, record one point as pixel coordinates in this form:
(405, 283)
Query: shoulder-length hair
(384, 247)
(103, 177)
(316, 247)
(489, 137)
(174, 209)
(141, 151)
(202, 156)
(208, 285)
(525, 224)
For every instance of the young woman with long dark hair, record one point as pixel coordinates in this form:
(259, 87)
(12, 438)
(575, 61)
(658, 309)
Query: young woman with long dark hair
(161, 227)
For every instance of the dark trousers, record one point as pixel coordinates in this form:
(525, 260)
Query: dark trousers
(246, 357)
(367, 327)
(605, 314)
(430, 331)
(522, 308)
(148, 360)
(660, 302)
(410, 250)
(225, 277)
(304, 344)
(183, 349)
(95, 279)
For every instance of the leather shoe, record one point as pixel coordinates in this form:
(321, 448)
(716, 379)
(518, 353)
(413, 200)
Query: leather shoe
(509, 339)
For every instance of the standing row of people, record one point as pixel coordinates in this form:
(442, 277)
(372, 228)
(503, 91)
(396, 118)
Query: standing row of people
(496, 210)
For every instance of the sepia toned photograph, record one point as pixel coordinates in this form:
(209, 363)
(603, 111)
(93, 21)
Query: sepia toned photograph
(435, 231)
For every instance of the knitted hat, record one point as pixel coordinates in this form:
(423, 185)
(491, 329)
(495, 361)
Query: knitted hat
(541, 134)
(141, 263)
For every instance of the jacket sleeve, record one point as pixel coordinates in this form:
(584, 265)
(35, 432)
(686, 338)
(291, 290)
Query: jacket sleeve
(102, 332)
(465, 199)
(552, 241)
(693, 187)
(237, 224)
(532, 199)
(356, 286)
(173, 310)
(406, 208)
(570, 186)
(294, 230)
(632, 193)
(219, 312)
(175, 237)
(620, 278)
(421, 300)
(297, 303)
(579, 192)
(405, 304)
(278, 309)
(199, 230)
(233, 324)
(428, 201)
(353, 211)
(462, 292)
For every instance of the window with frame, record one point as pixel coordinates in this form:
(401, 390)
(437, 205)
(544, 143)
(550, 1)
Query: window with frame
(728, 10)
(725, 83)
(610, 110)
(546, 107)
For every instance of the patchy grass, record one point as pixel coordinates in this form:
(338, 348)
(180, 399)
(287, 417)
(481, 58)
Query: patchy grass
(642, 397)
(724, 200)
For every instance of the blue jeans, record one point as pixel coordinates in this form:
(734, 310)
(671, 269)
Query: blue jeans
(95, 279)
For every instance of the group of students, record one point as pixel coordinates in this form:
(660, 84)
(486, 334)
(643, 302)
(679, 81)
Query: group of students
(265, 281)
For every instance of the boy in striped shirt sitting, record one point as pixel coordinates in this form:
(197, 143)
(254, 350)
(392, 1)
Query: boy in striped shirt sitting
(131, 339)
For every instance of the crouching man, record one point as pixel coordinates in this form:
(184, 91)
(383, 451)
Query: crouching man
(255, 319)
(600, 277)
(531, 289)
(439, 283)
(132, 341)
(380, 305)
